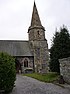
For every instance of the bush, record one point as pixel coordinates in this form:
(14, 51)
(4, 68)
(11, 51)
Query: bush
(7, 72)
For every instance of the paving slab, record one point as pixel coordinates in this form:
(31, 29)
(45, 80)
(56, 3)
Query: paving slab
(27, 85)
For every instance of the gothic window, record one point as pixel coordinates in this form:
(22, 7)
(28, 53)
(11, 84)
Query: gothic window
(25, 63)
(38, 33)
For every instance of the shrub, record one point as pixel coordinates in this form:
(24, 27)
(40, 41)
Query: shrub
(7, 72)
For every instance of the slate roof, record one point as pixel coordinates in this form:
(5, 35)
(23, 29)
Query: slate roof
(15, 48)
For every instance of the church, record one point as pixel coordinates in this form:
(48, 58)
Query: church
(32, 54)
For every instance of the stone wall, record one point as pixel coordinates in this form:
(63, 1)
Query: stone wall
(41, 56)
(65, 68)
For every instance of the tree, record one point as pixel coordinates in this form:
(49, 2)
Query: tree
(60, 48)
(7, 72)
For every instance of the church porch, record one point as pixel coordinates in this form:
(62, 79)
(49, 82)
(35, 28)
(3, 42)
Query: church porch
(24, 64)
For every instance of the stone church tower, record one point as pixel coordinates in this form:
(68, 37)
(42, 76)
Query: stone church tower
(38, 43)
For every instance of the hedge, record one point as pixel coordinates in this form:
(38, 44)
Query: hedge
(7, 72)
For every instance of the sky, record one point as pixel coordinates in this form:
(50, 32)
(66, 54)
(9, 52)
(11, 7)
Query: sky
(15, 17)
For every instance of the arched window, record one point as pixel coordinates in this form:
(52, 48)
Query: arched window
(25, 63)
(38, 32)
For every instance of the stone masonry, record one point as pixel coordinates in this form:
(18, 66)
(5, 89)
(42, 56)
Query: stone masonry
(38, 43)
(65, 68)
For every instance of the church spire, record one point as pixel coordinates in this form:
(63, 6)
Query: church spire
(36, 30)
(35, 17)
(35, 21)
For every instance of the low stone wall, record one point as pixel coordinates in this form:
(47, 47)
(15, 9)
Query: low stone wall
(65, 69)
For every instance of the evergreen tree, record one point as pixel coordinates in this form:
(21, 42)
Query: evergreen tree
(60, 48)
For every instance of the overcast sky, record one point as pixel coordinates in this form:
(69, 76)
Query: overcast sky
(15, 17)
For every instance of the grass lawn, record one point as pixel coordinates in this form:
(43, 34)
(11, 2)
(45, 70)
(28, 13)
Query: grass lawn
(49, 77)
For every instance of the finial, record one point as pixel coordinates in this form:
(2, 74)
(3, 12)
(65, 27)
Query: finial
(34, 3)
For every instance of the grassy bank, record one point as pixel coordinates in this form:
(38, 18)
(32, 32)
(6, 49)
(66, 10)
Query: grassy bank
(49, 77)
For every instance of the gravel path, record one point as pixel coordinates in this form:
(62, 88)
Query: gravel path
(27, 85)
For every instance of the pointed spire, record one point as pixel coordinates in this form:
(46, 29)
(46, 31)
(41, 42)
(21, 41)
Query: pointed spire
(35, 17)
(35, 21)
